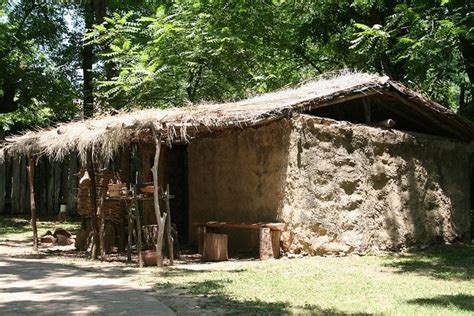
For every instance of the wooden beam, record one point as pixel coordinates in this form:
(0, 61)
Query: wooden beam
(272, 226)
(160, 219)
(93, 201)
(430, 116)
(31, 178)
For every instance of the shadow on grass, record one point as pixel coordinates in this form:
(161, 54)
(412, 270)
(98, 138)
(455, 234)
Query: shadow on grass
(460, 301)
(13, 225)
(210, 296)
(442, 262)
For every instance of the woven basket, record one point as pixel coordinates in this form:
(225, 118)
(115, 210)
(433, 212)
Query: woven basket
(112, 210)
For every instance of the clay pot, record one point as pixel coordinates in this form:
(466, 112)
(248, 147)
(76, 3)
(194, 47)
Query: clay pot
(148, 189)
(149, 257)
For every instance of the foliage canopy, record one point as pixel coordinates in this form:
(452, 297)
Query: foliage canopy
(169, 53)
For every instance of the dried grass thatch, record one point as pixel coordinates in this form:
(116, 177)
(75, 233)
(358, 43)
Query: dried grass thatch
(105, 135)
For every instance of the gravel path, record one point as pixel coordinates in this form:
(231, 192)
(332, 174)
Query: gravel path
(40, 287)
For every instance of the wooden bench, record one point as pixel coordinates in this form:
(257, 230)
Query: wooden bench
(269, 238)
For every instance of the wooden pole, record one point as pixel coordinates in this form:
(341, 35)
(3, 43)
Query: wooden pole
(160, 219)
(168, 226)
(93, 200)
(102, 227)
(31, 178)
(129, 247)
(139, 233)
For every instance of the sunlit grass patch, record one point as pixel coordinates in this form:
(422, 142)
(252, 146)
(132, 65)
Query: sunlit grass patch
(433, 282)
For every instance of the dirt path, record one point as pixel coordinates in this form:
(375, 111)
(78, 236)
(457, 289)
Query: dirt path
(38, 287)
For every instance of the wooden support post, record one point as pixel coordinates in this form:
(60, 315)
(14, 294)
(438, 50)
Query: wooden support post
(265, 244)
(276, 236)
(100, 213)
(160, 219)
(169, 238)
(93, 200)
(139, 233)
(31, 178)
(129, 247)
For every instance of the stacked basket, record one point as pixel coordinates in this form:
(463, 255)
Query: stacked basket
(113, 210)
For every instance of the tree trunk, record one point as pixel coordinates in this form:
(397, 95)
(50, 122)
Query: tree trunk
(160, 220)
(87, 63)
(93, 199)
(31, 178)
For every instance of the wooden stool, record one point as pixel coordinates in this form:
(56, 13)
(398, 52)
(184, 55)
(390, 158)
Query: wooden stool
(215, 247)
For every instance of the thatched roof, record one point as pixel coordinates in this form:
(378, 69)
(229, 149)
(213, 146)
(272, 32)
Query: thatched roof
(106, 134)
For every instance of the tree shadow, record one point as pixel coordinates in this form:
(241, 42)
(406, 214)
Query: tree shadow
(209, 297)
(11, 225)
(441, 262)
(460, 301)
(41, 287)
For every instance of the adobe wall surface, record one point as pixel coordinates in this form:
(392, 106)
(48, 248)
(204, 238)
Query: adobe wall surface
(357, 188)
(238, 177)
(339, 187)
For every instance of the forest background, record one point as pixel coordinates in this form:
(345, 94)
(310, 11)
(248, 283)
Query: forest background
(65, 60)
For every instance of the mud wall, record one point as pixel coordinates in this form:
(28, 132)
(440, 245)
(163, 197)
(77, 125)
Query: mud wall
(339, 187)
(357, 188)
(238, 177)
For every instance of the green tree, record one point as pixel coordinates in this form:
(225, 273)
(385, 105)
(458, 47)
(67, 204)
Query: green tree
(38, 62)
(195, 50)
(426, 44)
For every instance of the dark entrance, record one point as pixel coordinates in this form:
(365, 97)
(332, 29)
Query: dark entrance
(178, 181)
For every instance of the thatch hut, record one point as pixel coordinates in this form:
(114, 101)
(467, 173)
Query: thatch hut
(350, 162)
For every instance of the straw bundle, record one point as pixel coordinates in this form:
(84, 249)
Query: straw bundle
(112, 210)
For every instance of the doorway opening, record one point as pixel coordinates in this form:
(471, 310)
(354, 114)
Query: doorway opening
(177, 176)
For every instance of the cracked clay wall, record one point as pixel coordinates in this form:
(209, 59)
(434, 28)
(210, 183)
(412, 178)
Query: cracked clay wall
(339, 187)
(357, 188)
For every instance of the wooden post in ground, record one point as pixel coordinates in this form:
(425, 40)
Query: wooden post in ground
(265, 244)
(102, 226)
(139, 233)
(169, 239)
(160, 219)
(31, 178)
(93, 199)
(129, 246)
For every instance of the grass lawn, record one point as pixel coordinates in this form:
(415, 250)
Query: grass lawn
(19, 228)
(439, 281)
